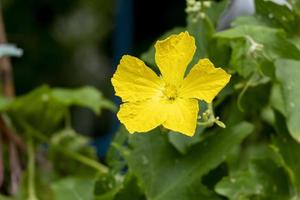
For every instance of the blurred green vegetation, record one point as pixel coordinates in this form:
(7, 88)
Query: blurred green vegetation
(67, 43)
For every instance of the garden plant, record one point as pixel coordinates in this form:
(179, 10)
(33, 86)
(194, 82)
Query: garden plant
(205, 114)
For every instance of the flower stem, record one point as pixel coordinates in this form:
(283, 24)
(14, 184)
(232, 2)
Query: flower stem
(31, 170)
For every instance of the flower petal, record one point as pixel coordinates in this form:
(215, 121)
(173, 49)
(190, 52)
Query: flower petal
(141, 116)
(182, 116)
(134, 81)
(204, 81)
(173, 56)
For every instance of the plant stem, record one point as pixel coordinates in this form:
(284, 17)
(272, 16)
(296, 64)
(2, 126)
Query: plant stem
(1, 163)
(87, 161)
(15, 167)
(31, 170)
(5, 65)
(9, 92)
(10, 134)
(74, 155)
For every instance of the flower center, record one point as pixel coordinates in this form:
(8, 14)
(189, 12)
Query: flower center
(170, 92)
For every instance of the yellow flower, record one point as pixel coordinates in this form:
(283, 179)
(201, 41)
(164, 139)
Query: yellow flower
(170, 100)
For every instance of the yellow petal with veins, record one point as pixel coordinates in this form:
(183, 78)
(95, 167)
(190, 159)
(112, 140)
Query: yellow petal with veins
(204, 81)
(141, 116)
(179, 115)
(173, 56)
(134, 81)
(182, 116)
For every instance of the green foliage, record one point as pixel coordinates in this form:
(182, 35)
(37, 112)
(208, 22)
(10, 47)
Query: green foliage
(257, 155)
(66, 165)
(180, 176)
(258, 181)
(288, 73)
(86, 97)
(74, 188)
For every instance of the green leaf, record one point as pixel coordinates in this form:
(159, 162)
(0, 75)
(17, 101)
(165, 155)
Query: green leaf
(4, 103)
(288, 73)
(276, 99)
(255, 20)
(38, 109)
(263, 180)
(273, 40)
(74, 188)
(183, 143)
(86, 97)
(109, 188)
(215, 10)
(165, 174)
(253, 51)
(288, 151)
(202, 30)
(67, 142)
(278, 15)
(130, 190)
(45, 109)
(6, 198)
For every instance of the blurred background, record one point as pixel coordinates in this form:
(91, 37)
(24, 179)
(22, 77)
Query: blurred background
(71, 43)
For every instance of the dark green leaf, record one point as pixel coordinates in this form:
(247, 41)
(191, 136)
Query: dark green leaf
(183, 143)
(179, 177)
(74, 188)
(288, 151)
(38, 109)
(288, 73)
(202, 30)
(252, 51)
(86, 97)
(263, 180)
(279, 15)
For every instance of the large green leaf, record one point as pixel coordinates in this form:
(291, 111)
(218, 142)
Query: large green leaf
(6, 198)
(183, 143)
(288, 151)
(166, 174)
(288, 73)
(86, 97)
(111, 188)
(255, 52)
(39, 109)
(263, 180)
(202, 30)
(273, 40)
(74, 188)
(45, 109)
(279, 15)
(276, 99)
